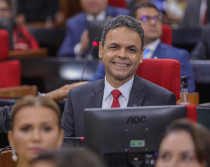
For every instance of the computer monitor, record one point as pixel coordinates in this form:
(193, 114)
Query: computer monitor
(7, 24)
(129, 136)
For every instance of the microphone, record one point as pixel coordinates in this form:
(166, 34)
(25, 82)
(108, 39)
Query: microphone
(74, 141)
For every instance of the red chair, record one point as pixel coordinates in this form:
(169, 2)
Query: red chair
(163, 72)
(117, 3)
(10, 70)
(166, 34)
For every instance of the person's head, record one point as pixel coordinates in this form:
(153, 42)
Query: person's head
(93, 7)
(68, 158)
(5, 11)
(35, 127)
(150, 18)
(121, 48)
(185, 144)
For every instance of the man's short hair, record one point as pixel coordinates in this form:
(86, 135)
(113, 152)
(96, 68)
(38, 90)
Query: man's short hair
(123, 21)
(143, 5)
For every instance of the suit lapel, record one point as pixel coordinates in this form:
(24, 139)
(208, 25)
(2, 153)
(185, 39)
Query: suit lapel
(97, 96)
(137, 93)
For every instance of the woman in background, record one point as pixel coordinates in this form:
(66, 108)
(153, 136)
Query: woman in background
(22, 39)
(35, 128)
(185, 144)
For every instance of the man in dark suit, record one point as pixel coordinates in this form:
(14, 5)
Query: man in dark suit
(121, 50)
(202, 49)
(195, 13)
(150, 19)
(76, 39)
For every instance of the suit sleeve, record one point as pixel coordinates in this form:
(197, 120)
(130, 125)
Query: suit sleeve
(200, 52)
(100, 73)
(68, 122)
(170, 100)
(67, 47)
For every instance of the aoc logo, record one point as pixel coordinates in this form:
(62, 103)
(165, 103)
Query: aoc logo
(136, 119)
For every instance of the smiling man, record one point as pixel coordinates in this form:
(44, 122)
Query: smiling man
(121, 50)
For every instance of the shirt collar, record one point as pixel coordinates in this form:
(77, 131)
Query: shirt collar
(100, 17)
(124, 89)
(152, 46)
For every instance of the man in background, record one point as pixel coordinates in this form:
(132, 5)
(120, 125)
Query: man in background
(150, 18)
(76, 40)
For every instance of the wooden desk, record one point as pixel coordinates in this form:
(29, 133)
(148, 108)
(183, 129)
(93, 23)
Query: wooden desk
(193, 98)
(42, 52)
(6, 159)
(18, 91)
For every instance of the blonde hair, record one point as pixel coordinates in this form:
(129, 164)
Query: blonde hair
(35, 101)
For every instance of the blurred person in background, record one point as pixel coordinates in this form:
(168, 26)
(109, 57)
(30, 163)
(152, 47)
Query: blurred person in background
(35, 128)
(202, 48)
(197, 13)
(22, 39)
(40, 11)
(185, 144)
(76, 39)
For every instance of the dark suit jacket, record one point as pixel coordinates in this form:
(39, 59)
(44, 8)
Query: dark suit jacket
(191, 16)
(143, 93)
(164, 51)
(75, 27)
(202, 49)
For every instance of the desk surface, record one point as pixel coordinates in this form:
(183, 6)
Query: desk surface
(41, 52)
(49, 73)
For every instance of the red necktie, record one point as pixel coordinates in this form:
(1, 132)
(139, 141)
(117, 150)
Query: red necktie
(115, 93)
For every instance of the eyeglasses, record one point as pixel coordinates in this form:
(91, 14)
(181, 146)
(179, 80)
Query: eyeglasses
(148, 19)
(4, 9)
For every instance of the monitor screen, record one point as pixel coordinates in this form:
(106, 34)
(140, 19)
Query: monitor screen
(121, 135)
(7, 24)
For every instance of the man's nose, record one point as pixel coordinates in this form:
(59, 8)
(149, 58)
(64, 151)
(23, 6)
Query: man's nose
(122, 53)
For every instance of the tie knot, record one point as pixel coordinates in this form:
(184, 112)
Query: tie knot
(116, 93)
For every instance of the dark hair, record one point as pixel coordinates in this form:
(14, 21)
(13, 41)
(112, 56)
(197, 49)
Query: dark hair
(35, 101)
(70, 158)
(142, 5)
(199, 134)
(123, 21)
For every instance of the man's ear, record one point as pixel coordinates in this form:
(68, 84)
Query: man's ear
(100, 50)
(141, 55)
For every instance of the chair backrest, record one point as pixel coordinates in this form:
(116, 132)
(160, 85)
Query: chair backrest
(10, 70)
(117, 3)
(166, 34)
(163, 72)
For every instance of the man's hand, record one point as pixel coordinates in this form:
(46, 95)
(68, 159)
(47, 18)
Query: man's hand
(84, 41)
(61, 93)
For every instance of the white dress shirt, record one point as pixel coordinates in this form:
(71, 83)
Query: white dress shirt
(152, 47)
(124, 97)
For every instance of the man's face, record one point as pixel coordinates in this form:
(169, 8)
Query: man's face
(151, 23)
(121, 55)
(93, 7)
(4, 10)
